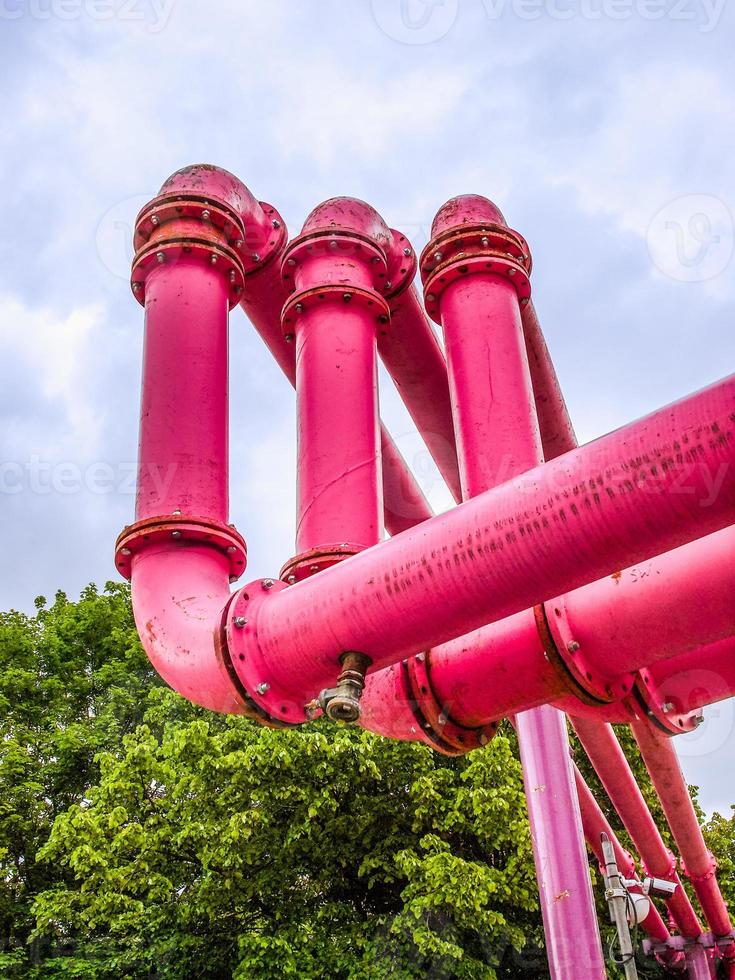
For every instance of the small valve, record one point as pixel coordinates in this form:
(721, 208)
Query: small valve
(342, 703)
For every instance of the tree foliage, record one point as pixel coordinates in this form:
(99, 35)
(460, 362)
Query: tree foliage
(143, 837)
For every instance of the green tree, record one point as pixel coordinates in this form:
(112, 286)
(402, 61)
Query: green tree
(73, 681)
(144, 837)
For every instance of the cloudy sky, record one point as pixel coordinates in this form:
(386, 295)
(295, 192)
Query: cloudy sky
(603, 128)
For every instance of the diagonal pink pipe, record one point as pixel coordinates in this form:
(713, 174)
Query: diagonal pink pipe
(700, 866)
(612, 767)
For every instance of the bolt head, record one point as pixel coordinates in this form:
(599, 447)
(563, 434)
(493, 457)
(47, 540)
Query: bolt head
(137, 286)
(667, 707)
(333, 244)
(431, 297)
(484, 241)
(276, 223)
(160, 257)
(299, 307)
(213, 259)
(263, 687)
(438, 256)
(291, 262)
(239, 243)
(231, 549)
(289, 338)
(233, 275)
(572, 646)
(205, 215)
(125, 551)
(155, 219)
(256, 257)
(267, 583)
(421, 657)
(291, 580)
(176, 534)
(407, 252)
(388, 285)
(239, 622)
(347, 297)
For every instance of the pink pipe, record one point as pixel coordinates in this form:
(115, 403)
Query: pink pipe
(698, 678)
(595, 824)
(414, 359)
(615, 774)
(565, 890)
(183, 461)
(557, 431)
(513, 546)
(503, 668)
(700, 866)
(497, 438)
(339, 475)
(262, 300)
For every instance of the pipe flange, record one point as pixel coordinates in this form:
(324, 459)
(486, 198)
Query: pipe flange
(311, 299)
(670, 874)
(337, 243)
(247, 659)
(221, 221)
(458, 252)
(402, 266)
(449, 736)
(170, 251)
(181, 530)
(651, 706)
(315, 560)
(258, 255)
(567, 655)
(708, 874)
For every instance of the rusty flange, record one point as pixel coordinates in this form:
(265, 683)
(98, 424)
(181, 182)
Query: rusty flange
(650, 705)
(446, 734)
(183, 530)
(310, 299)
(458, 252)
(315, 560)
(340, 244)
(248, 661)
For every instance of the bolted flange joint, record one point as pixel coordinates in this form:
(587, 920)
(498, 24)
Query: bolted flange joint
(342, 703)
(205, 214)
(469, 236)
(315, 560)
(648, 703)
(180, 530)
(438, 727)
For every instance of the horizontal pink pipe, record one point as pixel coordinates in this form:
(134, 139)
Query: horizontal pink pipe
(415, 362)
(663, 767)
(179, 594)
(262, 301)
(182, 461)
(615, 774)
(554, 528)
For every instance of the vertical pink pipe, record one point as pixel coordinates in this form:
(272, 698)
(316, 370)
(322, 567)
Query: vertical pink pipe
(497, 438)
(665, 772)
(183, 427)
(339, 460)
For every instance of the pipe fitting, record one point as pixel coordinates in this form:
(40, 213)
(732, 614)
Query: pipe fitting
(207, 213)
(648, 704)
(342, 703)
(469, 235)
(341, 255)
(179, 531)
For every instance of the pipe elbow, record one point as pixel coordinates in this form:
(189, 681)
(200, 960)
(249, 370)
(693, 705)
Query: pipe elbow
(180, 594)
(467, 209)
(351, 216)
